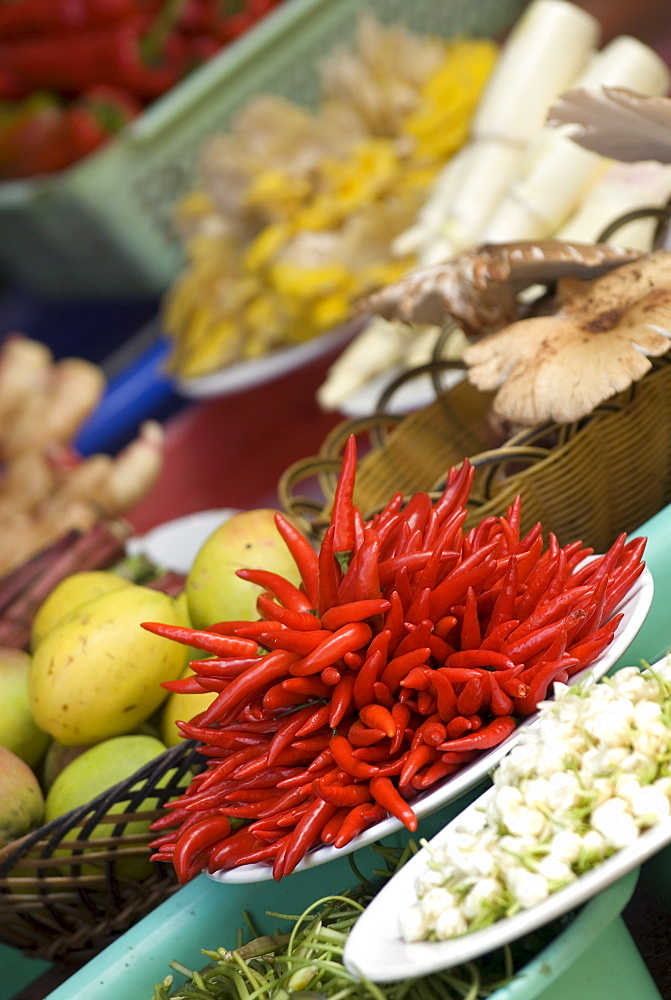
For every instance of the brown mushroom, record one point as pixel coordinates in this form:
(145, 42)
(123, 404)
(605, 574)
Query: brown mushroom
(596, 343)
(479, 288)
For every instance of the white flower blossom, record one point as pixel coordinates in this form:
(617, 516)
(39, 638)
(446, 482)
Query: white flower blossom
(450, 923)
(650, 804)
(614, 821)
(529, 889)
(483, 893)
(413, 924)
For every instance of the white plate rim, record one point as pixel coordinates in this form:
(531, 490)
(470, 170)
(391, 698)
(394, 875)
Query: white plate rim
(637, 601)
(257, 371)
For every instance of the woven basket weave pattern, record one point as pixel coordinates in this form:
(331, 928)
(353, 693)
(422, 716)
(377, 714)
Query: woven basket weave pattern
(589, 481)
(65, 894)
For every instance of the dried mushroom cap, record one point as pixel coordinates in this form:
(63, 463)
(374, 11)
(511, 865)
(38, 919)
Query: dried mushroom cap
(479, 287)
(598, 342)
(616, 122)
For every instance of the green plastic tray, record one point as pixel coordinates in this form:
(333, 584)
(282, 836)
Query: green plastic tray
(594, 958)
(102, 227)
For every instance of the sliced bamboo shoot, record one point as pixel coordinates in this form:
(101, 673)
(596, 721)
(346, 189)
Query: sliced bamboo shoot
(550, 45)
(623, 188)
(557, 172)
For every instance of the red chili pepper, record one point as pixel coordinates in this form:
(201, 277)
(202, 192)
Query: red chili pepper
(332, 826)
(232, 850)
(400, 666)
(287, 732)
(330, 574)
(349, 638)
(418, 758)
(472, 698)
(342, 699)
(341, 795)
(359, 818)
(184, 685)
(331, 675)
(419, 678)
(355, 611)
(210, 642)
(343, 754)
(426, 702)
(471, 658)
(300, 620)
(281, 588)
(457, 489)
(459, 725)
(537, 584)
(498, 635)
(72, 62)
(317, 719)
(621, 589)
(367, 586)
(303, 837)
(539, 684)
(472, 572)
(292, 640)
(342, 514)
(363, 689)
(435, 772)
(519, 650)
(361, 736)
(304, 555)
(446, 698)
(489, 736)
(387, 796)
(592, 645)
(28, 17)
(378, 717)
(500, 703)
(270, 668)
(401, 716)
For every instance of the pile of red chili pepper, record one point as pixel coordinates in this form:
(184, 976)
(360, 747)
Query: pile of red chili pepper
(73, 72)
(410, 648)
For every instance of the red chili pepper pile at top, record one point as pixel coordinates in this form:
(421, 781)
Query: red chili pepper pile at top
(410, 648)
(74, 72)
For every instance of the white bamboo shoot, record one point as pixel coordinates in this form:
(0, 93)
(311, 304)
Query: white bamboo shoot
(557, 172)
(549, 46)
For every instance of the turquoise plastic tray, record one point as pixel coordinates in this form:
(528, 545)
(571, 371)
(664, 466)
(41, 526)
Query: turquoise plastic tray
(103, 226)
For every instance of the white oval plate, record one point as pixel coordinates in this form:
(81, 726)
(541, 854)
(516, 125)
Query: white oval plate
(257, 371)
(376, 950)
(635, 607)
(174, 544)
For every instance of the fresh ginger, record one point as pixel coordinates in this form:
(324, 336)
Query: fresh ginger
(46, 488)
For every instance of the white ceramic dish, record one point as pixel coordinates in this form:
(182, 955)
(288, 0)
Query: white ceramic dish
(635, 607)
(375, 949)
(175, 543)
(257, 371)
(412, 395)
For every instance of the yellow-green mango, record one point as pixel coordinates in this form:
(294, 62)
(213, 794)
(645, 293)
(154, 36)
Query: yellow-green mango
(18, 731)
(248, 539)
(70, 593)
(21, 799)
(98, 673)
(94, 771)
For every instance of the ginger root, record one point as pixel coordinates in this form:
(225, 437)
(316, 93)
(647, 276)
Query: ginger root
(46, 488)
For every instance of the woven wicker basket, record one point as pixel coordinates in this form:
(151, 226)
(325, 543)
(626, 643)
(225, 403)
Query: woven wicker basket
(65, 895)
(590, 480)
